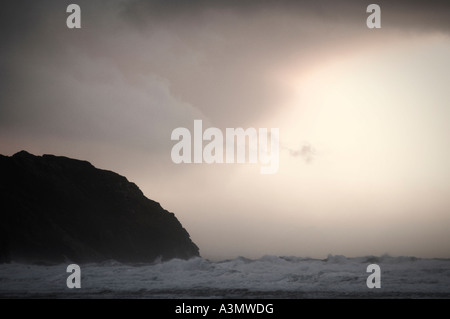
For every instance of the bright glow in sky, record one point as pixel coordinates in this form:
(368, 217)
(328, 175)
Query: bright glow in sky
(378, 181)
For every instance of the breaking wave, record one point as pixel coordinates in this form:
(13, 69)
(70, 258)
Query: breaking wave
(269, 276)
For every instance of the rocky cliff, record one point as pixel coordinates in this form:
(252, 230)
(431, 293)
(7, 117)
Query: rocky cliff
(57, 209)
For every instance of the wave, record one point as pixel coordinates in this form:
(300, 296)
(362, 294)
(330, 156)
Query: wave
(288, 276)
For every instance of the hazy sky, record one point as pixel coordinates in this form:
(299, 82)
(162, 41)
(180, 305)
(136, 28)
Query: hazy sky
(364, 114)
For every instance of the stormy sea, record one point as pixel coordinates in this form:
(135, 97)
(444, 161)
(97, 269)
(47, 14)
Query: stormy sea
(238, 278)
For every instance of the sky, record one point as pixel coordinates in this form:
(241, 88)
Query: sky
(363, 114)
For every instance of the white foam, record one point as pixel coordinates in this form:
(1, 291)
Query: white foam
(335, 276)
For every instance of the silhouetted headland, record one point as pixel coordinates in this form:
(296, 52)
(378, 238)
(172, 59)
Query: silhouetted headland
(56, 209)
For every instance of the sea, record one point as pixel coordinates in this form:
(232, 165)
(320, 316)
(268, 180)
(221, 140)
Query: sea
(287, 277)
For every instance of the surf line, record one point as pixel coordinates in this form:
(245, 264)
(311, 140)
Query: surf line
(260, 150)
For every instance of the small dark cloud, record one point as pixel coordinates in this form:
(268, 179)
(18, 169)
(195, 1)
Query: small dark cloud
(305, 152)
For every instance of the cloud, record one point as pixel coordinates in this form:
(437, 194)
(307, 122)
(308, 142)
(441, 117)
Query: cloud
(159, 64)
(84, 85)
(415, 14)
(305, 151)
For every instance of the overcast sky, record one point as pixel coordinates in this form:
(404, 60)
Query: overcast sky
(364, 114)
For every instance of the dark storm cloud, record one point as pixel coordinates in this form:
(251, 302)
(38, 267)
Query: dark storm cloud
(417, 15)
(230, 72)
(209, 55)
(414, 14)
(66, 83)
(19, 18)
